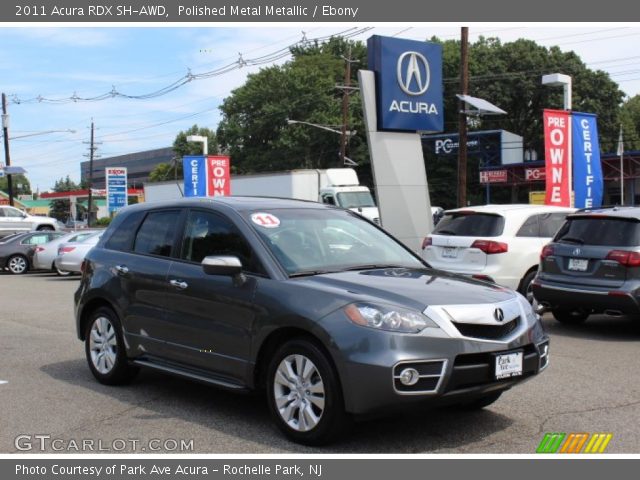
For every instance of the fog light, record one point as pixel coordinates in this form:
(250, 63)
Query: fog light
(409, 376)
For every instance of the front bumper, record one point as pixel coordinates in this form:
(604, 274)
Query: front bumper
(456, 370)
(598, 300)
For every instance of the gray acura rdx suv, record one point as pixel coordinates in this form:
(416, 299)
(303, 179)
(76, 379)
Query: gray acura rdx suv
(324, 310)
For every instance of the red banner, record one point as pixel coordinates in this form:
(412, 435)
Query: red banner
(557, 154)
(218, 175)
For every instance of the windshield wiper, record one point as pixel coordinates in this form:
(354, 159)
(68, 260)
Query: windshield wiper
(372, 266)
(448, 232)
(576, 240)
(310, 273)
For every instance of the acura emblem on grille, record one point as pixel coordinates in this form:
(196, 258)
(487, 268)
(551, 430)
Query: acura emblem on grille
(498, 314)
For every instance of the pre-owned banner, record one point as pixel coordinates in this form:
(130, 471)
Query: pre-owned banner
(557, 152)
(218, 175)
(195, 176)
(587, 170)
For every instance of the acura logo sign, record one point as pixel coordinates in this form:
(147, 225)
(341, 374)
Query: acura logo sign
(414, 74)
(498, 314)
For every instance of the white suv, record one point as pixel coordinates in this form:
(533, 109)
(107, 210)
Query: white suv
(499, 243)
(13, 220)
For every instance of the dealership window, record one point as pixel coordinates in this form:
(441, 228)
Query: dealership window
(156, 235)
(208, 234)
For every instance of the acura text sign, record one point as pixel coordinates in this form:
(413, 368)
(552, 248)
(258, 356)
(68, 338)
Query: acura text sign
(408, 84)
(116, 180)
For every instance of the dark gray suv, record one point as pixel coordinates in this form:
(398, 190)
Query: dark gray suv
(321, 308)
(592, 266)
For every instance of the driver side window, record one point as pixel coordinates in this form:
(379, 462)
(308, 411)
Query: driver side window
(209, 234)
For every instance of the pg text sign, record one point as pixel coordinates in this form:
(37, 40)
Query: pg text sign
(557, 153)
(116, 180)
(408, 77)
(208, 176)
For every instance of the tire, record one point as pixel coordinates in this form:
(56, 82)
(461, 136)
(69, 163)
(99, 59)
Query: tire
(109, 365)
(18, 264)
(308, 409)
(526, 288)
(45, 228)
(61, 273)
(570, 316)
(482, 402)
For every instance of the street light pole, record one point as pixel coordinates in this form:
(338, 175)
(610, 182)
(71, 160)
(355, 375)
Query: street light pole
(7, 156)
(462, 118)
(200, 139)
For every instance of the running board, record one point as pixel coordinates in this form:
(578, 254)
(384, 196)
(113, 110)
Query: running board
(186, 373)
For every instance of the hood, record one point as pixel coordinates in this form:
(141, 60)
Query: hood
(415, 288)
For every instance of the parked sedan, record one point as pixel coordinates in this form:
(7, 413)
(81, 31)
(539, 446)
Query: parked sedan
(326, 312)
(45, 254)
(16, 251)
(71, 254)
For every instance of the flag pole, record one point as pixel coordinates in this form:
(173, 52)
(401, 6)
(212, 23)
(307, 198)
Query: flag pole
(621, 153)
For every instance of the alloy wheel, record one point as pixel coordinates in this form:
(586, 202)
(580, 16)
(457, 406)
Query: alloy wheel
(103, 345)
(299, 393)
(17, 264)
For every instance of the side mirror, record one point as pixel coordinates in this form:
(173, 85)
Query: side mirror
(222, 265)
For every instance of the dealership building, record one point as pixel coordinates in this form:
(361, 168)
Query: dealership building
(139, 165)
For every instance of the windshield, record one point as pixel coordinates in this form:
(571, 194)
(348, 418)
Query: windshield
(307, 241)
(468, 224)
(355, 199)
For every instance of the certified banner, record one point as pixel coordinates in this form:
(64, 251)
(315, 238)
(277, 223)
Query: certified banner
(557, 153)
(195, 176)
(587, 170)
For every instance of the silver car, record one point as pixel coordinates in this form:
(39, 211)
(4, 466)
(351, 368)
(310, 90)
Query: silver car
(13, 220)
(45, 255)
(71, 255)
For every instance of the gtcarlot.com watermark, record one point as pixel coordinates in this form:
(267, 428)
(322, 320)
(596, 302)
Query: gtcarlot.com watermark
(45, 443)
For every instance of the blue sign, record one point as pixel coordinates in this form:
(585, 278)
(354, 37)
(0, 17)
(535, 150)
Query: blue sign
(408, 84)
(116, 188)
(587, 169)
(195, 176)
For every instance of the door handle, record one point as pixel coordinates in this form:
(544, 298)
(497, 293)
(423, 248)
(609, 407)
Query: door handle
(122, 269)
(179, 284)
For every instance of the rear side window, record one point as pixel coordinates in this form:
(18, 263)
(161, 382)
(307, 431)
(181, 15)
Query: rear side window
(157, 233)
(530, 228)
(611, 232)
(467, 224)
(550, 223)
(122, 238)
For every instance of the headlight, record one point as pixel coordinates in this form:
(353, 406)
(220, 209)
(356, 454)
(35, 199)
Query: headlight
(388, 317)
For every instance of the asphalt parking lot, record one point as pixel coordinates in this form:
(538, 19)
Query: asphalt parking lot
(591, 386)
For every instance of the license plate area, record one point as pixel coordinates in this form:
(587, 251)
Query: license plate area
(508, 365)
(578, 264)
(449, 252)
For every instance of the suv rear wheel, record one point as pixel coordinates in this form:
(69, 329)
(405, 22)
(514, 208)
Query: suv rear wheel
(104, 347)
(570, 316)
(304, 394)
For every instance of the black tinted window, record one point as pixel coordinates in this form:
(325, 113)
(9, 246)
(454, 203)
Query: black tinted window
(156, 234)
(550, 223)
(122, 238)
(530, 228)
(207, 234)
(611, 232)
(468, 224)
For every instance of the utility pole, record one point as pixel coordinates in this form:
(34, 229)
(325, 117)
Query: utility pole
(345, 107)
(462, 118)
(7, 156)
(91, 155)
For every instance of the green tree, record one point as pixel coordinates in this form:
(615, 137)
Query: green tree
(61, 208)
(181, 147)
(254, 128)
(630, 121)
(21, 185)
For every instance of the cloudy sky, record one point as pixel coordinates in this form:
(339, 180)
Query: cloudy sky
(58, 63)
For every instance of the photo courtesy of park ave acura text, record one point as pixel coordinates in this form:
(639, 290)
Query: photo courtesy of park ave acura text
(382, 238)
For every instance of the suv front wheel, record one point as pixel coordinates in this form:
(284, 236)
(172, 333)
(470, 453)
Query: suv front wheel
(570, 316)
(304, 394)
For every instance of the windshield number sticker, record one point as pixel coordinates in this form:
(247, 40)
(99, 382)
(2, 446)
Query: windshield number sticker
(265, 220)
